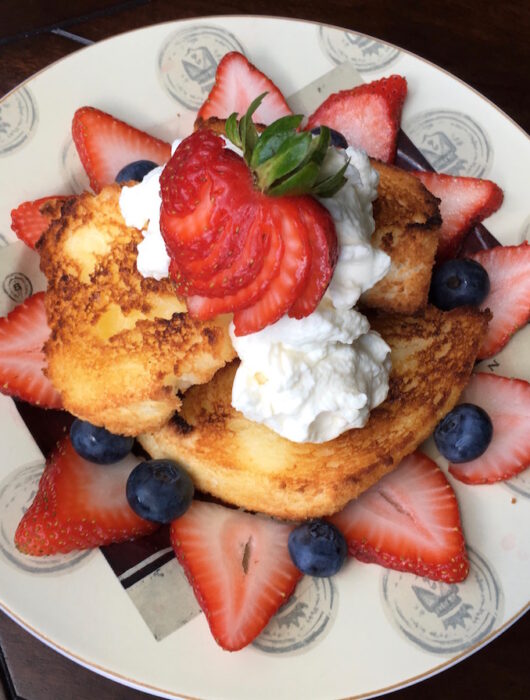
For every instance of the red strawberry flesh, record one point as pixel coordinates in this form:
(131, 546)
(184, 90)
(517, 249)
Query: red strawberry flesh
(205, 308)
(239, 567)
(324, 254)
(242, 270)
(292, 274)
(508, 268)
(464, 202)
(106, 144)
(507, 402)
(79, 505)
(29, 221)
(23, 333)
(368, 115)
(408, 521)
(207, 215)
(237, 84)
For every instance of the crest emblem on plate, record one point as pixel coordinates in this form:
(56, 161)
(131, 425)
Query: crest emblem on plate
(17, 286)
(445, 618)
(17, 492)
(188, 60)
(18, 119)
(365, 53)
(302, 621)
(452, 142)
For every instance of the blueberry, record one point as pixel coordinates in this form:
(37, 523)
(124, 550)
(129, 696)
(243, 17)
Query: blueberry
(136, 170)
(337, 139)
(97, 444)
(459, 283)
(464, 434)
(317, 548)
(159, 490)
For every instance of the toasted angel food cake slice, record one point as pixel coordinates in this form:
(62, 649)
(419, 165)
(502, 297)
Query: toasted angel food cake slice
(122, 346)
(407, 220)
(248, 465)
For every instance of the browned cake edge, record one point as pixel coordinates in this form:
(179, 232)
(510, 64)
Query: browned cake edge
(319, 480)
(80, 363)
(407, 220)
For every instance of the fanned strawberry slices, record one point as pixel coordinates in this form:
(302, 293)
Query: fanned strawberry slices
(243, 233)
(408, 521)
(239, 567)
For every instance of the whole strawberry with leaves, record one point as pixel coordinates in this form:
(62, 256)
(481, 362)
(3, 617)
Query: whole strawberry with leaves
(245, 232)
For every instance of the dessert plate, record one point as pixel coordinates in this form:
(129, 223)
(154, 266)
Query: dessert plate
(127, 612)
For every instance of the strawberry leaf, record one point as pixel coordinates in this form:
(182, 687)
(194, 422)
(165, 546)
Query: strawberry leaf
(273, 138)
(284, 161)
(290, 155)
(232, 130)
(247, 131)
(300, 182)
(320, 145)
(332, 184)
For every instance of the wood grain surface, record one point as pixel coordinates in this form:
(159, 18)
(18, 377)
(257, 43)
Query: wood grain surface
(484, 43)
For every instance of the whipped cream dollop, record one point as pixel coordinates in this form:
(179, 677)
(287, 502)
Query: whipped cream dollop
(140, 208)
(359, 265)
(314, 378)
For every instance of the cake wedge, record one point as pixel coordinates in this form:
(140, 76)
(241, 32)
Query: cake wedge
(122, 346)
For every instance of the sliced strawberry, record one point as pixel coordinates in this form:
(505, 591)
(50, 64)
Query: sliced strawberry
(29, 221)
(79, 505)
(239, 567)
(220, 254)
(367, 115)
(508, 268)
(106, 144)
(465, 202)
(205, 308)
(507, 402)
(408, 521)
(324, 253)
(292, 275)
(241, 272)
(23, 333)
(207, 205)
(190, 233)
(237, 84)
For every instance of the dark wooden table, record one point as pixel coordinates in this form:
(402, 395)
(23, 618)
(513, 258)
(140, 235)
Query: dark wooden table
(484, 43)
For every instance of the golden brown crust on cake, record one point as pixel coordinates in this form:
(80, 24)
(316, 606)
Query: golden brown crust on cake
(407, 220)
(121, 346)
(247, 464)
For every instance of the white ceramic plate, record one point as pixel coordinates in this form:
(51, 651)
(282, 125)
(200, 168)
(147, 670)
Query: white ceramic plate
(368, 629)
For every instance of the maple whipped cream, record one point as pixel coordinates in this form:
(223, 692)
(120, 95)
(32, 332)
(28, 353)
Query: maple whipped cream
(310, 379)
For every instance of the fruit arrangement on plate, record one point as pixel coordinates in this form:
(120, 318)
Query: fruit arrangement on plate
(250, 242)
